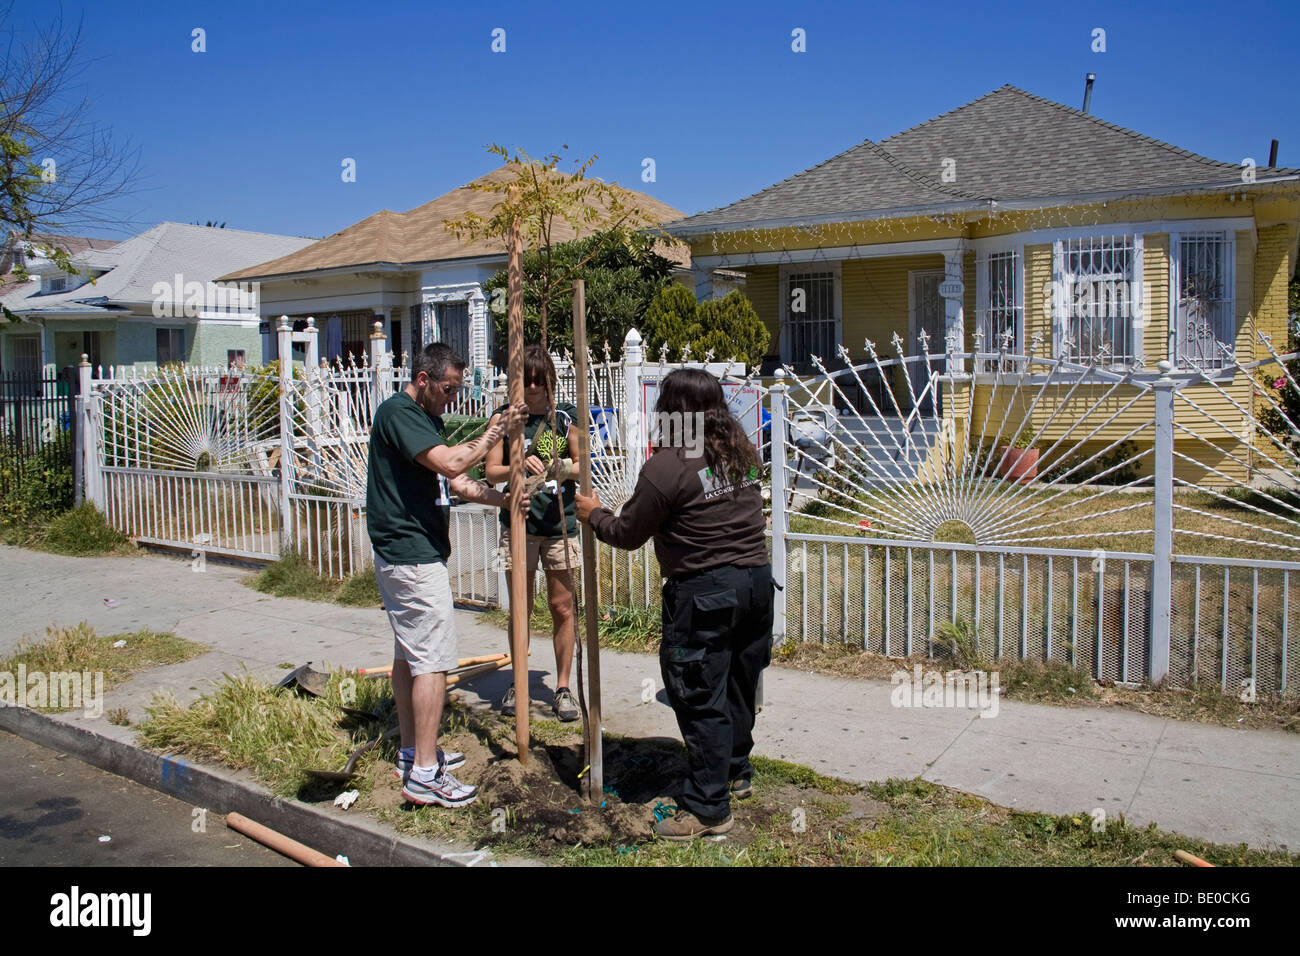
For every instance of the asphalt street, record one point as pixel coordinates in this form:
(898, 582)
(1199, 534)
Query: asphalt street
(57, 811)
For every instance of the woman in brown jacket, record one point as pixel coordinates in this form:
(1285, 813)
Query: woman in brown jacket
(700, 500)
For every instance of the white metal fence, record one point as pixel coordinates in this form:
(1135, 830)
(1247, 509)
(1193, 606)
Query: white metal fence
(1151, 536)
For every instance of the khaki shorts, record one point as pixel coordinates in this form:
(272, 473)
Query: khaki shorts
(548, 551)
(418, 600)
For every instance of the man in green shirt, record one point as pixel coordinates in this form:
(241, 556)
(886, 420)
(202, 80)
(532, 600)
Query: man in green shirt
(412, 474)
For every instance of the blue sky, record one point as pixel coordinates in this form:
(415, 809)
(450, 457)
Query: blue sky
(253, 131)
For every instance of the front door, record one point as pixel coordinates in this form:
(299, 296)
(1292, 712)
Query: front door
(928, 314)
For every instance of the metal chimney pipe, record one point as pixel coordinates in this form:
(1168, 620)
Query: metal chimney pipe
(1087, 92)
(1272, 154)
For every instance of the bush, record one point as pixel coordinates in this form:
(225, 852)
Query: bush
(729, 326)
(622, 277)
(41, 486)
(84, 532)
(361, 590)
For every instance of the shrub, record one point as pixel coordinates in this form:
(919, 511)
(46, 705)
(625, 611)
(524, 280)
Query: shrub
(622, 273)
(41, 485)
(729, 326)
(83, 531)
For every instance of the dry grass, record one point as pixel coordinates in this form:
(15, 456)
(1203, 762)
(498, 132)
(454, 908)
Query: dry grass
(1055, 683)
(796, 817)
(79, 649)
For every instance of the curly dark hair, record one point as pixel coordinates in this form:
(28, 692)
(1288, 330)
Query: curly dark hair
(728, 451)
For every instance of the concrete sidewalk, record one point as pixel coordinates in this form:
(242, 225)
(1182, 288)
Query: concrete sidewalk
(1211, 782)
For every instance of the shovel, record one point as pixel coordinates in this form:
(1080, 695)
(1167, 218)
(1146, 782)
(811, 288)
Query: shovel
(349, 768)
(308, 678)
(344, 775)
(313, 682)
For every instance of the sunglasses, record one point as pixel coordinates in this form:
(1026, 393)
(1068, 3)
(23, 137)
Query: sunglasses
(446, 389)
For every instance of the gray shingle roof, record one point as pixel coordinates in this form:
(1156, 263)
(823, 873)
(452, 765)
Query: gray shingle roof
(197, 253)
(1007, 145)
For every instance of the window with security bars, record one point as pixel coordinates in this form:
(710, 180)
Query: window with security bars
(357, 327)
(809, 326)
(1203, 319)
(1097, 297)
(1001, 305)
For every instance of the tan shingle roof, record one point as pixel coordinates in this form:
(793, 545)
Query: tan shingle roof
(419, 235)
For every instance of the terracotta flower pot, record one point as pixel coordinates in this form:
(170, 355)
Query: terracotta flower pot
(1018, 464)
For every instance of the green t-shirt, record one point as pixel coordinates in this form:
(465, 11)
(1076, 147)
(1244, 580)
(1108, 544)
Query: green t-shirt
(539, 440)
(408, 507)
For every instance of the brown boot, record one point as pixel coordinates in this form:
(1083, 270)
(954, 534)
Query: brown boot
(686, 826)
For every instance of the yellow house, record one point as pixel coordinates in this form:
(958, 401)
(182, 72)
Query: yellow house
(1017, 222)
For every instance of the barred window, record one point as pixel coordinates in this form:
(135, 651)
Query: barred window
(1097, 298)
(1203, 314)
(809, 327)
(1000, 304)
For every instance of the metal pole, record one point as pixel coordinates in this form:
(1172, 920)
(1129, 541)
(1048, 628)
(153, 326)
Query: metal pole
(285, 333)
(1163, 547)
(80, 430)
(780, 520)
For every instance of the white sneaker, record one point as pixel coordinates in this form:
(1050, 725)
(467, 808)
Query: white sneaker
(449, 759)
(444, 791)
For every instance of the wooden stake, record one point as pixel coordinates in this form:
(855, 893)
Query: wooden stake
(595, 780)
(519, 609)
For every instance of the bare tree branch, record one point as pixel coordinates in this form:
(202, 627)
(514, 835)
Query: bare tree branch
(59, 167)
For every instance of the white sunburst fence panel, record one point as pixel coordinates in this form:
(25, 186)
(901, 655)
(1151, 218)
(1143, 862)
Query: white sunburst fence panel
(1237, 455)
(890, 461)
(1236, 519)
(181, 458)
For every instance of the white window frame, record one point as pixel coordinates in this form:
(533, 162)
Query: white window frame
(1062, 287)
(835, 269)
(983, 295)
(1177, 341)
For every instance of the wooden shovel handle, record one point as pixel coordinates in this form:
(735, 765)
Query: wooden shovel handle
(478, 669)
(463, 662)
(279, 842)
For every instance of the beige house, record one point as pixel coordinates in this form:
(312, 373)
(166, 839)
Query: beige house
(405, 270)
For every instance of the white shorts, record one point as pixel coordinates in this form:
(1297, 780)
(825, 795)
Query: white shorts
(418, 600)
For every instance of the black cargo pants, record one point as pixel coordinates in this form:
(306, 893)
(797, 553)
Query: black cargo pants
(717, 638)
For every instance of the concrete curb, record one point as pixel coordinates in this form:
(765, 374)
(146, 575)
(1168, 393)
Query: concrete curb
(364, 841)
